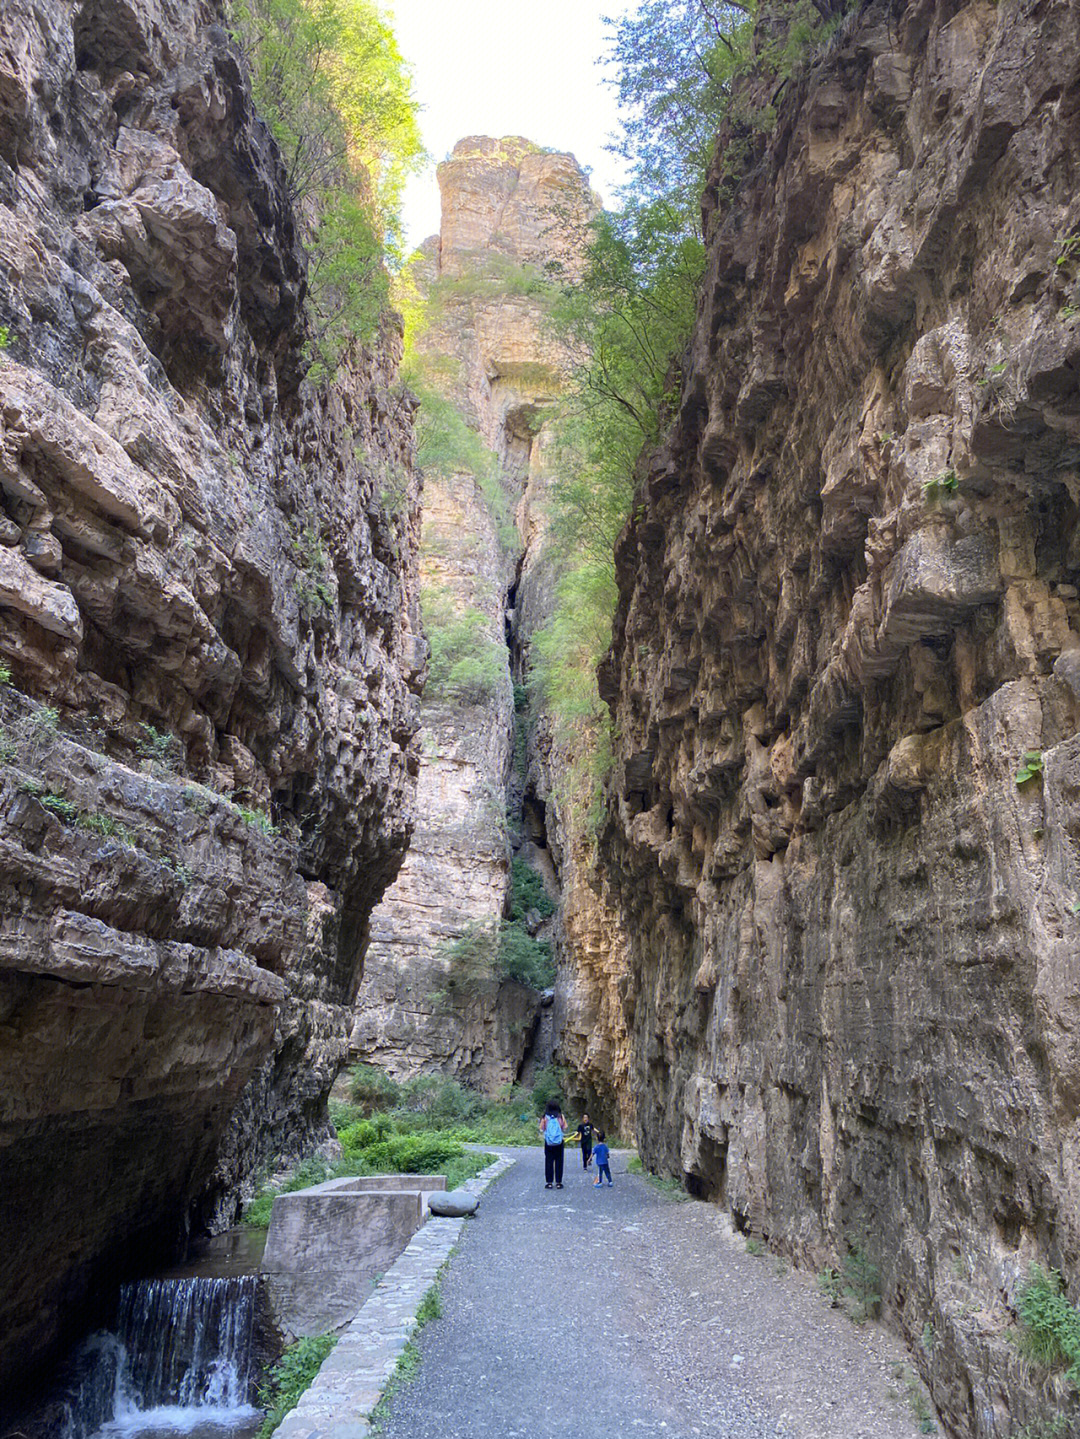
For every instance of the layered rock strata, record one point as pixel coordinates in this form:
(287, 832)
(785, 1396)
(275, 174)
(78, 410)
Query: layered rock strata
(848, 610)
(207, 619)
(483, 346)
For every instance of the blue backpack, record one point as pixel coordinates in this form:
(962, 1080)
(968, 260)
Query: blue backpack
(553, 1133)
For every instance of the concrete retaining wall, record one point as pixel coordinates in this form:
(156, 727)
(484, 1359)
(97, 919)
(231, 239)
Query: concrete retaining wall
(327, 1244)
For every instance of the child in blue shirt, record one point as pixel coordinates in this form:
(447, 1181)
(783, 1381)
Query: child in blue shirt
(602, 1155)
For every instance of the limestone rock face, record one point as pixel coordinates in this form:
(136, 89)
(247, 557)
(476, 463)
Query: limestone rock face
(201, 596)
(848, 607)
(484, 348)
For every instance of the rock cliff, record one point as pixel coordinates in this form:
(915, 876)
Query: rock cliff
(846, 682)
(207, 623)
(483, 348)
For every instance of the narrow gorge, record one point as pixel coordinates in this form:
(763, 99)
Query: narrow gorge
(762, 844)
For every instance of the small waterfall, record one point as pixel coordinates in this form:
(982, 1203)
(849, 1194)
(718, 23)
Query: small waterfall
(181, 1356)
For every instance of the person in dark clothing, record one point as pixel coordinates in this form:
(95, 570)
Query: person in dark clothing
(553, 1133)
(603, 1161)
(585, 1133)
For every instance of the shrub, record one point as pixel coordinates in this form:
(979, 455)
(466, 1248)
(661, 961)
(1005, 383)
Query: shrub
(60, 806)
(290, 1377)
(1049, 1324)
(527, 892)
(5, 671)
(854, 1287)
(466, 664)
(307, 1172)
(258, 820)
(372, 1088)
(525, 959)
(550, 1083)
(163, 750)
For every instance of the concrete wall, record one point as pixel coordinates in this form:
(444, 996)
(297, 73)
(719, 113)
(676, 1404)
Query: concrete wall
(326, 1245)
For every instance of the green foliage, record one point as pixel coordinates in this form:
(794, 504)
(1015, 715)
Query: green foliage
(672, 1189)
(107, 826)
(330, 81)
(550, 1085)
(467, 664)
(447, 445)
(854, 1287)
(754, 1246)
(1043, 1428)
(372, 1088)
(5, 337)
(525, 959)
(917, 1402)
(946, 483)
(59, 805)
(8, 748)
(928, 1338)
(257, 819)
(43, 722)
(492, 277)
(675, 62)
(290, 1377)
(159, 747)
(307, 1172)
(527, 892)
(431, 1307)
(490, 953)
(313, 583)
(5, 670)
(1031, 766)
(1049, 1324)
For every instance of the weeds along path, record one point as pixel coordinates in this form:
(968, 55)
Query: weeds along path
(623, 1312)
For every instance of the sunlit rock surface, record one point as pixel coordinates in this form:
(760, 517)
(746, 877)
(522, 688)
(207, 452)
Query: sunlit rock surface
(485, 345)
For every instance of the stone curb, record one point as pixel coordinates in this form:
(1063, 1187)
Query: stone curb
(350, 1383)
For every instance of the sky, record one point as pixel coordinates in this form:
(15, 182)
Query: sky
(507, 67)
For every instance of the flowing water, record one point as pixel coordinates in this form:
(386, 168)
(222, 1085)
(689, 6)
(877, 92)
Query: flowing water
(178, 1363)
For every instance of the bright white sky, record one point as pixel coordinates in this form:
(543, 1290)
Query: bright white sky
(507, 67)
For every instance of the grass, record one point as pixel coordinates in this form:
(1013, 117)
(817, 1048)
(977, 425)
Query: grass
(1049, 1324)
(258, 820)
(754, 1246)
(916, 1398)
(671, 1188)
(290, 1377)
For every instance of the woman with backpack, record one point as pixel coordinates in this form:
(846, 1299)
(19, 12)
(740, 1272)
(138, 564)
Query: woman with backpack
(552, 1131)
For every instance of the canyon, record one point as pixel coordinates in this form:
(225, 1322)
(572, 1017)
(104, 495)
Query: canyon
(279, 791)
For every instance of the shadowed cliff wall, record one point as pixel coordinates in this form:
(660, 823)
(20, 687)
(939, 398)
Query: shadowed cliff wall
(191, 546)
(848, 607)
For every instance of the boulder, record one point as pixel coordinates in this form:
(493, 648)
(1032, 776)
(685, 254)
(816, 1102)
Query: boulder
(456, 1204)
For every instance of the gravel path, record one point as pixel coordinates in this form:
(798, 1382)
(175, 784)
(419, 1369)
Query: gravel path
(627, 1314)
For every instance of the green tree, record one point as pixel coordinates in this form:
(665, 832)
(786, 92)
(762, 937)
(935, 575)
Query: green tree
(330, 81)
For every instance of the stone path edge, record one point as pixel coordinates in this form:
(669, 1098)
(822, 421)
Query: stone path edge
(352, 1378)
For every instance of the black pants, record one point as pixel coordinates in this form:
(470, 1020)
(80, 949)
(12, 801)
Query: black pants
(553, 1162)
(586, 1155)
